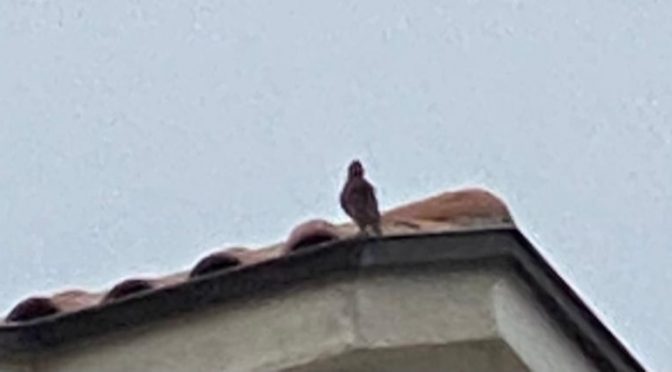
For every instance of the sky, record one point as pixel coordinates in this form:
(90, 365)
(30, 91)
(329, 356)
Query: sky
(136, 136)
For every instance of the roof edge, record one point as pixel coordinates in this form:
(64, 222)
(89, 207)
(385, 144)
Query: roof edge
(505, 246)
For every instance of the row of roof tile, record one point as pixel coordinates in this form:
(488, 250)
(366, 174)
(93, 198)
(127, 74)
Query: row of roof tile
(444, 212)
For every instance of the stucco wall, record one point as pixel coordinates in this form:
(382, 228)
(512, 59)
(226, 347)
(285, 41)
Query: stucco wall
(348, 321)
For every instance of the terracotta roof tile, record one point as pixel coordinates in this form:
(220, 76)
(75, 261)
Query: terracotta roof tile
(215, 262)
(170, 280)
(74, 300)
(126, 288)
(312, 232)
(32, 308)
(444, 212)
(464, 207)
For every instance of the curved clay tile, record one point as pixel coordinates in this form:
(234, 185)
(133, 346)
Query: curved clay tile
(244, 255)
(215, 262)
(252, 256)
(462, 207)
(32, 308)
(311, 233)
(127, 288)
(170, 279)
(74, 300)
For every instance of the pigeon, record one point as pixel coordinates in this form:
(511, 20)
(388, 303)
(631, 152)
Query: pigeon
(358, 200)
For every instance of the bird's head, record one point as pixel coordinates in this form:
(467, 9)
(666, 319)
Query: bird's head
(355, 169)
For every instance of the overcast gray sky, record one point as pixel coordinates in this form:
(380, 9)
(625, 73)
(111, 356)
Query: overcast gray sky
(136, 135)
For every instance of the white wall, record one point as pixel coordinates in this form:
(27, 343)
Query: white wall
(476, 320)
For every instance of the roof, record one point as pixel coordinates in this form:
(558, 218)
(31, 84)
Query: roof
(473, 223)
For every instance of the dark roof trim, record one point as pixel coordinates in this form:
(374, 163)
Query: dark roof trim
(499, 246)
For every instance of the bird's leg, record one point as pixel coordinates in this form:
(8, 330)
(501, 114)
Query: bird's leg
(377, 231)
(362, 230)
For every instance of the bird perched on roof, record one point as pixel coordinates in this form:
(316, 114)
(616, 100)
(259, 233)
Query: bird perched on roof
(358, 200)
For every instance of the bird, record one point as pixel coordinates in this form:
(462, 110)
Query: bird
(358, 200)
